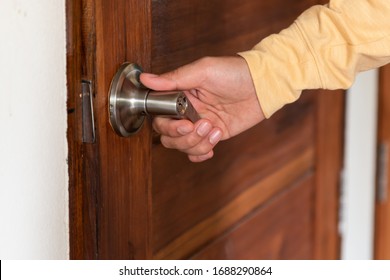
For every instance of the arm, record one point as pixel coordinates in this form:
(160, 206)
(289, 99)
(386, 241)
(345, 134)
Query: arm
(324, 48)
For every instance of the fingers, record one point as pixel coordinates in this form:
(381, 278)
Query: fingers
(197, 140)
(172, 128)
(201, 158)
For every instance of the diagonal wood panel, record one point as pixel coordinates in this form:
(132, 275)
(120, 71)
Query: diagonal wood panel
(238, 208)
(289, 236)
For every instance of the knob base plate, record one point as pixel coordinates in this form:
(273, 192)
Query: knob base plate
(127, 100)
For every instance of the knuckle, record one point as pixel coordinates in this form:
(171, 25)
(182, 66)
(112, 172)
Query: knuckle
(199, 150)
(203, 149)
(166, 142)
(164, 126)
(192, 140)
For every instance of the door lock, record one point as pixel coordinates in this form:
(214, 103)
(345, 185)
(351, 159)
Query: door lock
(130, 102)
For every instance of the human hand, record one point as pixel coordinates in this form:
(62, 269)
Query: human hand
(221, 90)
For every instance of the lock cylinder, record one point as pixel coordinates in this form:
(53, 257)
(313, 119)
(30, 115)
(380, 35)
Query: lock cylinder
(167, 104)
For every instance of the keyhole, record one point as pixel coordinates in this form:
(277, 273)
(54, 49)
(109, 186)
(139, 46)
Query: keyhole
(182, 105)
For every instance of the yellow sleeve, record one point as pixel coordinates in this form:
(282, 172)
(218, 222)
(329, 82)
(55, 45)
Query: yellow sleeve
(324, 48)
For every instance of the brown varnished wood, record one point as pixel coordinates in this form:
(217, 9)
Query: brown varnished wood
(289, 236)
(123, 34)
(76, 233)
(186, 30)
(382, 208)
(329, 158)
(200, 190)
(82, 157)
(238, 208)
(124, 204)
(109, 197)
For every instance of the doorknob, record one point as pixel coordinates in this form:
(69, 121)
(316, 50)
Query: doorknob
(130, 102)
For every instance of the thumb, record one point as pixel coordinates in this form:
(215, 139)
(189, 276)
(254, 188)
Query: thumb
(157, 82)
(184, 78)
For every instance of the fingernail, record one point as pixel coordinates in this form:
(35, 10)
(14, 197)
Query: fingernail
(203, 129)
(215, 137)
(184, 130)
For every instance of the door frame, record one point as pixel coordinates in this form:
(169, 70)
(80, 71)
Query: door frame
(382, 202)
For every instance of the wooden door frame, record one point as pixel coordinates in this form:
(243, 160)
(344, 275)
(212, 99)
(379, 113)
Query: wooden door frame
(92, 205)
(82, 192)
(382, 203)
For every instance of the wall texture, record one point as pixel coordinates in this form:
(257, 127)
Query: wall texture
(33, 148)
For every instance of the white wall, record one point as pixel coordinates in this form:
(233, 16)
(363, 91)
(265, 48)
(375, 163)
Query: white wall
(358, 191)
(33, 148)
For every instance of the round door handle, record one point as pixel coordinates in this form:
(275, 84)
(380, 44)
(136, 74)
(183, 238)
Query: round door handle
(130, 102)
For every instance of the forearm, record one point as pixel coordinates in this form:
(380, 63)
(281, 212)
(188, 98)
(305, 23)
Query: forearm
(324, 48)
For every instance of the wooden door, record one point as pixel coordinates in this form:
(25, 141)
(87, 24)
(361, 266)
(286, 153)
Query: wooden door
(382, 205)
(270, 193)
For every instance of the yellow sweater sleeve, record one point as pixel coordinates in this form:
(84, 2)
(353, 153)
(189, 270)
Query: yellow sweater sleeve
(324, 48)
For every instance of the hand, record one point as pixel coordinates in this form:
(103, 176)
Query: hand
(221, 90)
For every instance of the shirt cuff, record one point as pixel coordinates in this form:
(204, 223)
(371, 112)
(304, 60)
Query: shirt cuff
(282, 65)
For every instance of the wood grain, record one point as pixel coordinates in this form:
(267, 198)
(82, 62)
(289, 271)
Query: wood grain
(289, 236)
(124, 193)
(199, 190)
(186, 30)
(132, 200)
(329, 159)
(242, 205)
(81, 157)
(382, 207)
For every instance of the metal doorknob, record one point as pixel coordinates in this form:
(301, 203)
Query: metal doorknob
(130, 102)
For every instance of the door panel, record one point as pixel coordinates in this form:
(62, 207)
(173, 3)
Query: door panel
(289, 236)
(186, 30)
(204, 191)
(130, 198)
